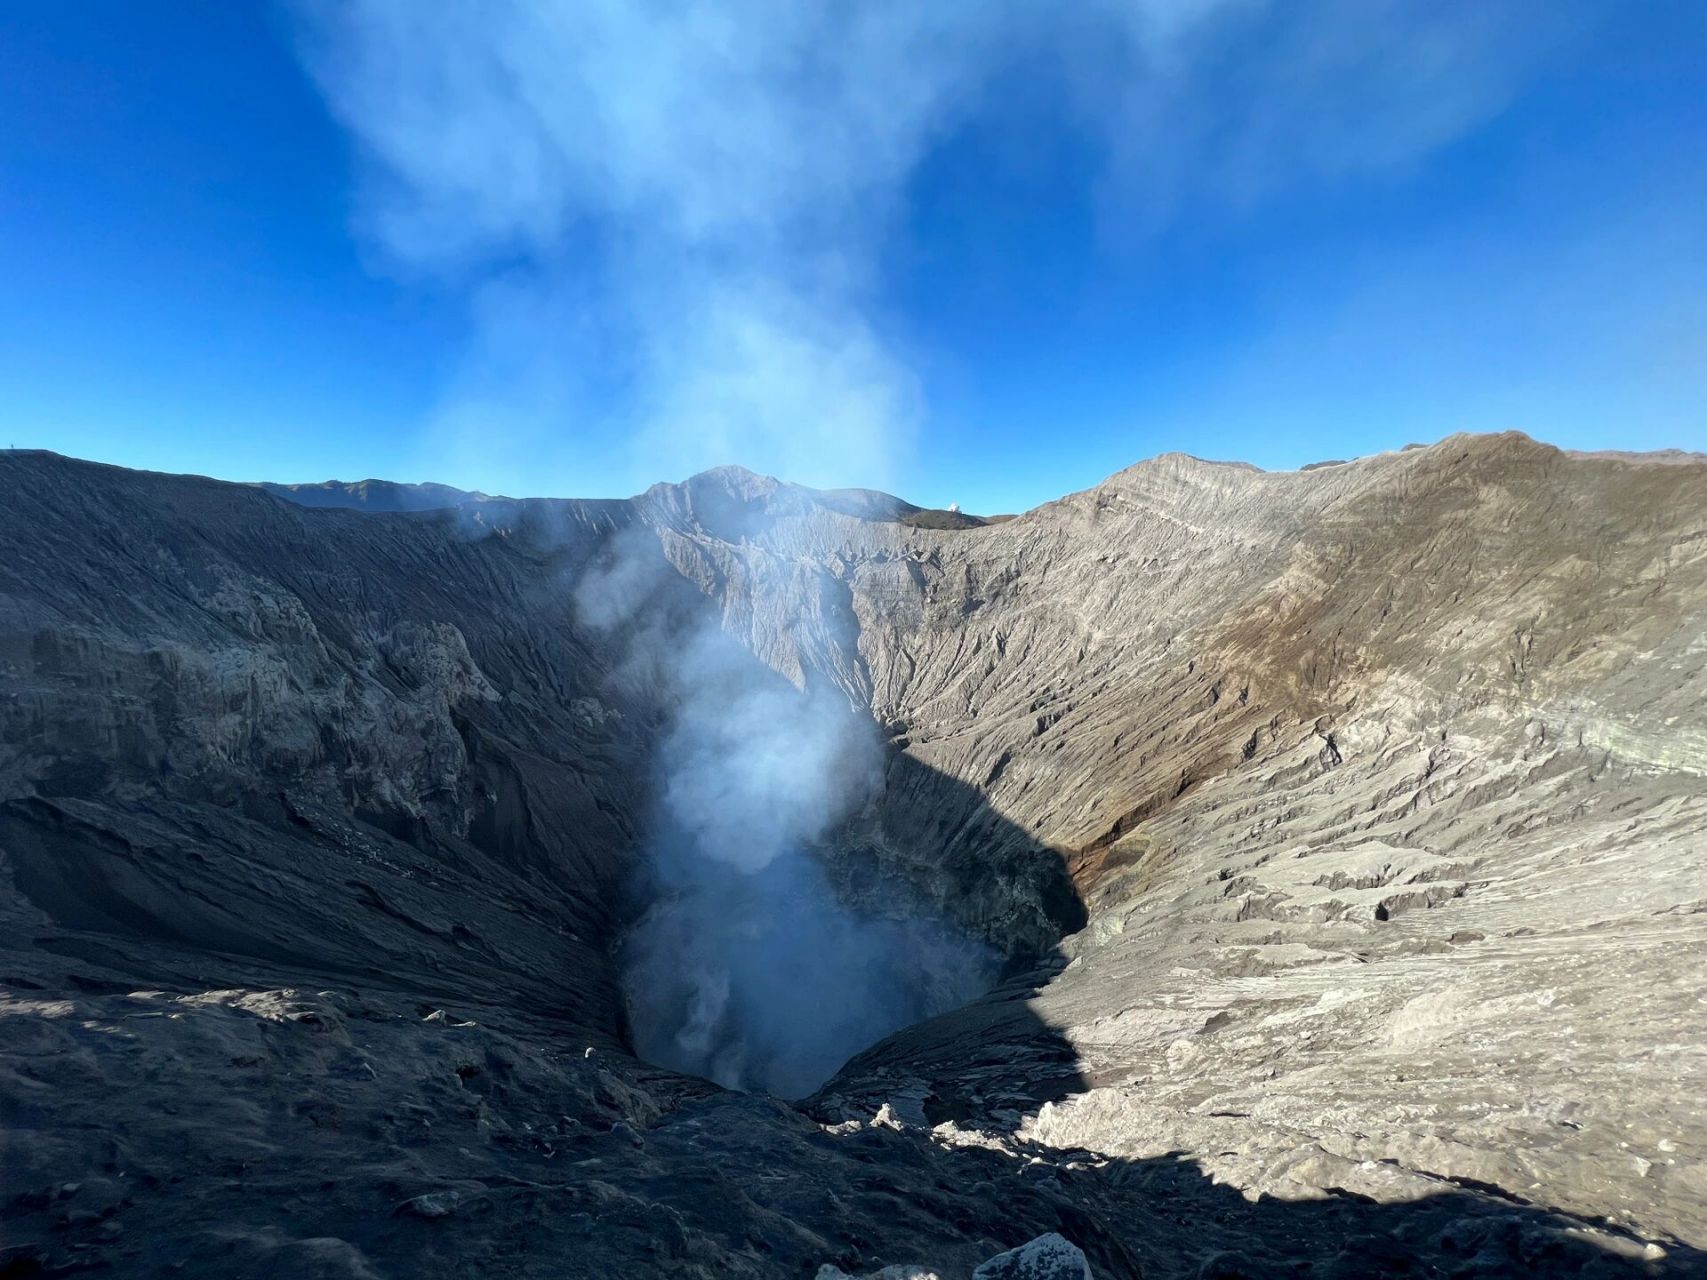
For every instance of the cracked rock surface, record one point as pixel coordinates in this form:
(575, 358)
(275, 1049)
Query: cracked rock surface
(1345, 831)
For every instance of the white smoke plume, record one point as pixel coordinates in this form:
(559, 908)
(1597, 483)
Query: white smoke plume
(675, 219)
(747, 968)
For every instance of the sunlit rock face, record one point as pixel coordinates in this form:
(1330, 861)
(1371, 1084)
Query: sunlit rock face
(1258, 872)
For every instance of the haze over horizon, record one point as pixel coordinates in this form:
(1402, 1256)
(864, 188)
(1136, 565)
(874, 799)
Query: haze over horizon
(977, 256)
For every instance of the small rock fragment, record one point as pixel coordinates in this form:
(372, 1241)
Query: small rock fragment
(1049, 1257)
(433, 1205)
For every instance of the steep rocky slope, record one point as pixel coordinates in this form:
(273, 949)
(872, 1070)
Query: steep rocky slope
(1343, 830)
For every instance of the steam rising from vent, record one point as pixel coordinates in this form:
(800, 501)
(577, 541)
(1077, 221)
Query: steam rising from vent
(747, 968)
(752, 770)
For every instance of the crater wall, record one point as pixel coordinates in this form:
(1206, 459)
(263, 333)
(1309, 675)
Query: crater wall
(1341, 831)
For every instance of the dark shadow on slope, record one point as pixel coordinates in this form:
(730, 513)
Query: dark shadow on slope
(1165, 1218)
(933, 844)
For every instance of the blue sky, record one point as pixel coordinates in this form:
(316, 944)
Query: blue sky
(973, 254)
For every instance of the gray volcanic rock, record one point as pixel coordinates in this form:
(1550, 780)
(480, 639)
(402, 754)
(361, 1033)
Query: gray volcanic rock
(1049, 1257)
(1343, 830)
